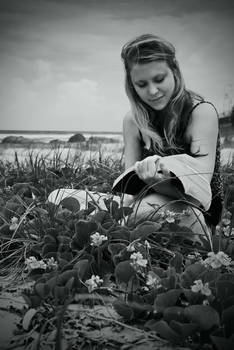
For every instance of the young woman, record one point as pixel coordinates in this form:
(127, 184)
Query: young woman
(168, 119)
(165, 119)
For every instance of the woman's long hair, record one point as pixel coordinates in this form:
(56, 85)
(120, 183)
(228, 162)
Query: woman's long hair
(148, 48)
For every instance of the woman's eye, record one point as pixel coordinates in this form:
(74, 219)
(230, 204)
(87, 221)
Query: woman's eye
(160, 80)
(141, 85)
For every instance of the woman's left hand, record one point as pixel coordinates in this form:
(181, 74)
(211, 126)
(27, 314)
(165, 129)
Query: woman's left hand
(152, 170)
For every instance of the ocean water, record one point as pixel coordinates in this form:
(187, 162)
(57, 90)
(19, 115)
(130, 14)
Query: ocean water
(63, 136)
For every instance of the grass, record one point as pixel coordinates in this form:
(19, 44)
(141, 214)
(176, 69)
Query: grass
(24, 188)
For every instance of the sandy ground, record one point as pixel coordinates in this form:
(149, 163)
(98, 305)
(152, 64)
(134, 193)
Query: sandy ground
(113, 150)
(48, 152)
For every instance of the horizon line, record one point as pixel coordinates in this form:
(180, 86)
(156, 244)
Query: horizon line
(7, 131)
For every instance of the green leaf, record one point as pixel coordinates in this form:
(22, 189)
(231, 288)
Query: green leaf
(175, 313)
(49, 239)
(167, 299)
(71, 204)
(159, 272)
(177, 262)
(42, 290)
(64, 239)
(27, 299)
(32, 300)
(165, 331)
(144, 229)
(222, 343)
(62, 262)
(111, 205)
(101, 216)
(60, 293)
(82, 267)
(5, 230)
(209, 276)
(51, 283)
(227, 277)
(69, 285)
(140, 310)
(116, 248)
(35, 274)
(123, 310)
(228, 320)
(205, 316)
(124, 272)
(228, 302)
(84, 229)
(120, 233)
(49, 248)
(27, 319)
(169, 282)
(184, 329)
(225, 289)
(64, 277)
(122, 212)
(192, 273)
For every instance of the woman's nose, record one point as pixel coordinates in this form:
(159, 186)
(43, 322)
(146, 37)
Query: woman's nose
(153, 89)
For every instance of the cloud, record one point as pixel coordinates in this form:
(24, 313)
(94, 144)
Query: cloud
(60, 61)
(69, 105)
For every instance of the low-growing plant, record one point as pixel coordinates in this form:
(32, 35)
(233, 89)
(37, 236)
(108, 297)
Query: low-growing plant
(158, 276)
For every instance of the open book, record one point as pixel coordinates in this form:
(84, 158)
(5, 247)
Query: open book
(189, 177)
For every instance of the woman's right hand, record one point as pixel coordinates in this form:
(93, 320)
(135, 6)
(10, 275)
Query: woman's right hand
(151, 169)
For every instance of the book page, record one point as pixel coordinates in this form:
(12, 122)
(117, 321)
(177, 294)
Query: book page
(193, 178)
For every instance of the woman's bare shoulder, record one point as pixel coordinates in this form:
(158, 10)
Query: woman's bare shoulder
(129, 124)
(129, 118)
(203, 121)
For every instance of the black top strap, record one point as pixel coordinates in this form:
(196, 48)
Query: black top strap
(203, 101)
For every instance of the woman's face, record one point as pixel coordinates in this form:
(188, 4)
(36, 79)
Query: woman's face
(154, 83)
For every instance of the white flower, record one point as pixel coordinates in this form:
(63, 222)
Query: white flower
(153, 280)
(197, 286)
(32, 263)
(226, 221)
(226, 231)
(144, 288)
(170, 216)
(200, 287)
(217, 260)
(97, 239)
(52, 264)
(131, 248)
(148, 246)
(93, 283)
(14, 223)
(196, 256)
(205, 290)
(170, 219)
(186, 212)
(138, 259)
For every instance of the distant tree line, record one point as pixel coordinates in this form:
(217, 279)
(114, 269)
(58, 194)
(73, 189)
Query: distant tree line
(232, 115)
(228, 119)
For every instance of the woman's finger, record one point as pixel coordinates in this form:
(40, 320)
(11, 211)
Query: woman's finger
(164, 170)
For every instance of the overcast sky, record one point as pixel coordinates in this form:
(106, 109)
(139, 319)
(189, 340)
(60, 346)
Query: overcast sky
(60, 66)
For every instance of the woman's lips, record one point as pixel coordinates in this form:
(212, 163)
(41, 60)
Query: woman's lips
(156, 99)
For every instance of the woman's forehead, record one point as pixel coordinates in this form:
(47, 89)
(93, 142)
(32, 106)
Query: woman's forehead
(144, 70)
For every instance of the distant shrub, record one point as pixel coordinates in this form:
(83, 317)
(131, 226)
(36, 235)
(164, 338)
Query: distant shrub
(17, 139)
(77, 138)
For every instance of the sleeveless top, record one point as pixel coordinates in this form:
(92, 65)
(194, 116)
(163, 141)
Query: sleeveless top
(213, 215)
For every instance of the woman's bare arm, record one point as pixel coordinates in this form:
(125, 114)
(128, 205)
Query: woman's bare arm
(132, 149)
(202, 133)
